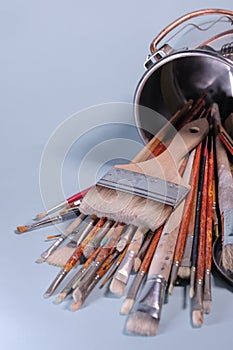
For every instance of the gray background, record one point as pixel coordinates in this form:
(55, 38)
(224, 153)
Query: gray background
(57, 58)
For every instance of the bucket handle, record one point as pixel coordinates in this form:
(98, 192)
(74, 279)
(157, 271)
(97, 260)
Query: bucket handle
(180, 20)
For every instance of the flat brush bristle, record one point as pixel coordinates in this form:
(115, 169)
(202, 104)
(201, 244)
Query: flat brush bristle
(60, 256)
(207, 304)
(227, 257)
(41, 215)
(184, 272)
(117, 287)
(197, 318)
(75, 306)
(127, 306)
(136, 264)
(59, 298)
(22, 229)
(142, 323)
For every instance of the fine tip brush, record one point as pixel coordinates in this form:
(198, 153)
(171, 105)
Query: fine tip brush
(53, 220)
(144, 193)
(65, 204)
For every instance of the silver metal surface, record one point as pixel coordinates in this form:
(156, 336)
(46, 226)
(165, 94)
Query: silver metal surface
(123, 272)
(153, 297)
(141, 185)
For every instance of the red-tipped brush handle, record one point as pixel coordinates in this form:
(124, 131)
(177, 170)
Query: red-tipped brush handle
(78, 196)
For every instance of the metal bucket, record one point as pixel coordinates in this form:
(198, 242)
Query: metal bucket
(175, 75)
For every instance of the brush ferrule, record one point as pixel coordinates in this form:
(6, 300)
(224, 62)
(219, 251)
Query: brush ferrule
(55, 283)
(207, 286)
(186, 262)
(192, 276)
(124, 270)
(174, 272)
(53, 247)
(153, 296)
(198, 297)
(134, 287)
(142, 185)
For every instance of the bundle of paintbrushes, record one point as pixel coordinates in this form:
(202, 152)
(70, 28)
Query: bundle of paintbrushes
(149, 224)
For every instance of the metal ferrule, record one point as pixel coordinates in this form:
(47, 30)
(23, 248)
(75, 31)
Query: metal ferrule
(91, 270)
(125, 238)
(185, 262)
(174, 272)
(153, 296)
(124, 270)
(86, 229)
(135, 285)
(100, 235)
(198, 298)
(207, 286)
(55, 283)
(52, 248)
(192, 276)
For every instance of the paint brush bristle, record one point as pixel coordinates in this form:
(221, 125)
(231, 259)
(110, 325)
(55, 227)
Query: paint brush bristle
(127, 306)
(117, 287)
(75, 306)
(207, 306)
(227, 257)
(60, 256)
(41, 215)
(142, 323)
(22, 229)
(197, 318)
(59, 299)
(184, 272)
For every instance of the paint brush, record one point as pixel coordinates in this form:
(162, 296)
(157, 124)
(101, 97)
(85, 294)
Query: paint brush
(65, 204)
(81, 293)
(145, 319)
(184, 268)
(197, 307)
(146, 191)
(139, 258)
(138, 279)
(68, 289)
(114, 267)
(61, 255)
(73, 260)
(207, 297)
(197, 217)
(53, 220)
(107, 249)
(225, 196)
(180, 244)
(122, 274)
(74, 225)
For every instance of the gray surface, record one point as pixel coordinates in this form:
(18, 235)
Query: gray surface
(57, 58)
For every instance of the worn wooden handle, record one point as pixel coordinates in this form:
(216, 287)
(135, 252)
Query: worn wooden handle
(166, 165)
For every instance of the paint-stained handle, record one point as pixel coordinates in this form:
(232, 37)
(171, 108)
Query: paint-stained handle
(137, 240)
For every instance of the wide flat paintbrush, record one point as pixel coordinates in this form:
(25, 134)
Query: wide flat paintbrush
(73, 259)
(143, 269)
(180, 244)
(143, 193)
(225, 197)
(145, 319)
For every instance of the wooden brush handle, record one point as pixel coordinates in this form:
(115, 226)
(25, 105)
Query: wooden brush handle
(137, 240)
(163, 257)
(166, 165)
(202, 229)
(150, 147)
(151, 249)
(210, 213)
(180, 244)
